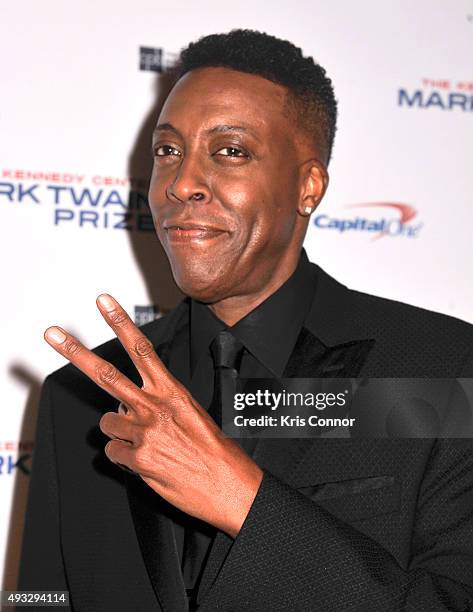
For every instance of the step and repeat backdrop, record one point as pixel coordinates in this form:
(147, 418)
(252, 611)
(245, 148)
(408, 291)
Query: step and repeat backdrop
(80, 90)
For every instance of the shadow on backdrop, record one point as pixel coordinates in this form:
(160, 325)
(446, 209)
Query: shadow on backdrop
(21, 482)
(163, 293)
(149, 255)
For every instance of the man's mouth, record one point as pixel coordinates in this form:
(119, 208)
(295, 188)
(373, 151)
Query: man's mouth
(189, 232)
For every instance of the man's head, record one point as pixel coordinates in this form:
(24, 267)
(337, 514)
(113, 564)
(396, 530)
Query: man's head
(241, 146)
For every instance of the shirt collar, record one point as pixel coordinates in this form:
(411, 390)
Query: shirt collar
(270, 330)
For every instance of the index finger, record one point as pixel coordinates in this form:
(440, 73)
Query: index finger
(102, 372)
(137, 345)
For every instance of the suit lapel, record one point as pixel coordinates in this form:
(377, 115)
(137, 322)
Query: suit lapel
(328, 346)
(151, 513)
(311, 358)
(156, 539)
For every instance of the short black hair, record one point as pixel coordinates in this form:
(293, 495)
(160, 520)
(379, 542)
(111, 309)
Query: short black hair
(310, 91)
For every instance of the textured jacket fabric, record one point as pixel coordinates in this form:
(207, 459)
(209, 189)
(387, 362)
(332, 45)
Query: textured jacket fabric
(337, 524)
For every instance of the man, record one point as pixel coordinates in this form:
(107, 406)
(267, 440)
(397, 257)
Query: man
(175, 514)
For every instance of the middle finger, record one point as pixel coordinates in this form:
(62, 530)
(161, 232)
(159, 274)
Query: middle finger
(136, 344)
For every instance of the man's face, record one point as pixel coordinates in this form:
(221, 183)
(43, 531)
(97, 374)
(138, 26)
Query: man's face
(227, 171)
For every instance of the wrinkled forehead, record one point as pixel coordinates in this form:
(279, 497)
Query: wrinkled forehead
(224, 95)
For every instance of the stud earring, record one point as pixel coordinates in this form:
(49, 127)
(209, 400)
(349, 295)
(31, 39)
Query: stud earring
(308, 210)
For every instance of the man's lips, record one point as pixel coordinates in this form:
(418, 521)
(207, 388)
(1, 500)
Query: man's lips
(189, 232)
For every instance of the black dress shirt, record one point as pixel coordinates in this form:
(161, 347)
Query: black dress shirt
(268, 333)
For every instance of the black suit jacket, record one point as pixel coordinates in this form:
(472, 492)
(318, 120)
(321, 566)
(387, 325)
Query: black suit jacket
(337, 524)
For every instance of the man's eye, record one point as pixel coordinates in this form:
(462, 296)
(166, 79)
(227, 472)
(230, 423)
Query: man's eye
(165, 150)
(231, 152)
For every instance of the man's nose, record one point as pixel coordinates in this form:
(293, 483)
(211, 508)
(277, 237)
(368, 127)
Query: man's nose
(189, 184)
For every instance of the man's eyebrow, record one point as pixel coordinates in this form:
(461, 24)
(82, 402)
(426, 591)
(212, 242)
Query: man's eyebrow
(217, 129)
(166, 127)
(225, 128)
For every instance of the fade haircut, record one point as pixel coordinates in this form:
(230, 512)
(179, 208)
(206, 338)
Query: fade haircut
(311, 99)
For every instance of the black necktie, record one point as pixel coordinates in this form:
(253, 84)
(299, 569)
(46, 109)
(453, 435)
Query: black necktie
(226, 353)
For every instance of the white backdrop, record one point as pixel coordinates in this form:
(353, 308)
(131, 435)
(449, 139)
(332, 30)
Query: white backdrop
(75, 117)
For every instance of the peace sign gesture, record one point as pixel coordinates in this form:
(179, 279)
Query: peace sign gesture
(161, 432)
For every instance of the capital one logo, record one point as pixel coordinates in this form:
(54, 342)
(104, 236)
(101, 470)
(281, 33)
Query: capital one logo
(393, 219)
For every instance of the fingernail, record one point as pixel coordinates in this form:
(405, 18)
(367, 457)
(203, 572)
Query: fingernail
(55, 334)
(107, 301)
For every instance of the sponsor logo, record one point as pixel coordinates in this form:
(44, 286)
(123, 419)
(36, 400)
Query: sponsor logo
(145, 314)
(441, 94)
(77, 200)
(400, 225)
(156, 59)
(15, 456)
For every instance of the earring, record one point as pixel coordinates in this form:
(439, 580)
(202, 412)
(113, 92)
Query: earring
(308, 210)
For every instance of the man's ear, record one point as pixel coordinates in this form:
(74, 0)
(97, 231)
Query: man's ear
(314, 185)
